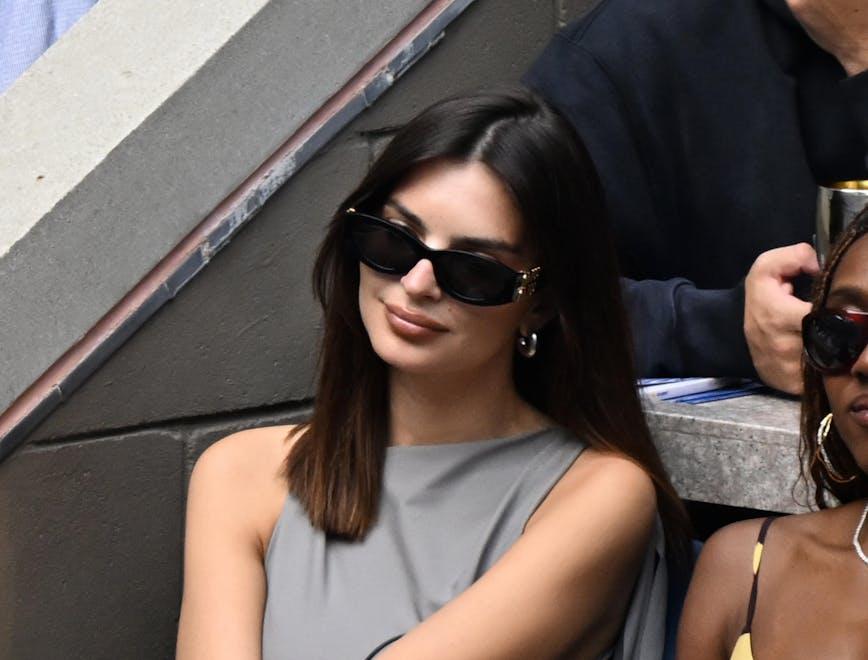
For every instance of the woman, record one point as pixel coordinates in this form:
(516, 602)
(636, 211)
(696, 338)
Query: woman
(806, 594)
(477, 480)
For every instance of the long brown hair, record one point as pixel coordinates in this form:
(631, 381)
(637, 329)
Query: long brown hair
(815, 403)
(582, 376)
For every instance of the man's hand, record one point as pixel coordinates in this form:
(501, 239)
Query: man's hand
(840, 27)
(773, 315)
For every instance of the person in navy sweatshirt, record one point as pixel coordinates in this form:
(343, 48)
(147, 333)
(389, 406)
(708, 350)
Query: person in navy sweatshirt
(711, 123)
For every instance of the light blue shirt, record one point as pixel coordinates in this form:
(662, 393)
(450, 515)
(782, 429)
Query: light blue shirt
(29, 27)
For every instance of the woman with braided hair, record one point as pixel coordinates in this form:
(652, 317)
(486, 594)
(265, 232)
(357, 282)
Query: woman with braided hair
(807, 595)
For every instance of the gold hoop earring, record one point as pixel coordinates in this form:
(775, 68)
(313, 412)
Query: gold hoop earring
(527, 344)
(822, 434)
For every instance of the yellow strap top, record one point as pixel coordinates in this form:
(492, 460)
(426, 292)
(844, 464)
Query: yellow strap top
(743, 649)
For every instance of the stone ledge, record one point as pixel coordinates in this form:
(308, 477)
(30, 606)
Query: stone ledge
(740, 452)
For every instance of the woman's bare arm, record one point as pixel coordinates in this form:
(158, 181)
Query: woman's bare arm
(565, 584)
(716, 606)
(232, 498)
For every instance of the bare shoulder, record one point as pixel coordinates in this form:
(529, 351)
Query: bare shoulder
(729, 551)
(716, 605)
(727, 556)
(235, 496)
(607, 487)
(241, 475)
(608, 469)
(245, 459)
(602, 475)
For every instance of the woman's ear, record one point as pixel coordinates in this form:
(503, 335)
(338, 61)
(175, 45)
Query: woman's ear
(541, 311)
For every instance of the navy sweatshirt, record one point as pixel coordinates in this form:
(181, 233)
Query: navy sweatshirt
(711, 123)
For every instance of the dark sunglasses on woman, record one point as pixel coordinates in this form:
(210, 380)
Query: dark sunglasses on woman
(471, 278)
(834, 339)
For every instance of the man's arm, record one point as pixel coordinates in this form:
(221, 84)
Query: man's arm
(681, 330)
(752, 329)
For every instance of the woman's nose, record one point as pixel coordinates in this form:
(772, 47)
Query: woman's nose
(420, 281)
(860, 366)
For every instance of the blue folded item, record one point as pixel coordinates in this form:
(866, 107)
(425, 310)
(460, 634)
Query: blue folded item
(698, 390)
(751, 387)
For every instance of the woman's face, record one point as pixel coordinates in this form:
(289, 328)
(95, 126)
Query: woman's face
(848, 392)
(413, 325)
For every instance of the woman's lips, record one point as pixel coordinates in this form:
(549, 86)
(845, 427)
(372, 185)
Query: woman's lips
(859, 410)
(412, 324)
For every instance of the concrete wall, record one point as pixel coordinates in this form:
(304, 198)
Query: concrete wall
(91, 510)
(135, 125)
(90, 552)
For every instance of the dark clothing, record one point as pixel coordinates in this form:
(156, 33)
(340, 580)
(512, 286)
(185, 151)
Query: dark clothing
(711, 123)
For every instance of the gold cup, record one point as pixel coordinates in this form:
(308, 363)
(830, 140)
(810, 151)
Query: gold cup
(838, 204)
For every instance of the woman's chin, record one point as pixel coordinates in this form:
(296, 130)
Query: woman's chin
(416, 360)
(416, 365)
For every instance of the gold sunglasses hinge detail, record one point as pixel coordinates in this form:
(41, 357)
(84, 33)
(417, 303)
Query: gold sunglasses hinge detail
(526, 283)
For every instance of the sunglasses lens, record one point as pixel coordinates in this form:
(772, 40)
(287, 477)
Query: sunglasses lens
(383, 248)
(832, 342)
(474, 279)
(471, 278)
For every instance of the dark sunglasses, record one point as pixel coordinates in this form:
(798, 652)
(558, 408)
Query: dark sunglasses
(834, 339)
(468, 277)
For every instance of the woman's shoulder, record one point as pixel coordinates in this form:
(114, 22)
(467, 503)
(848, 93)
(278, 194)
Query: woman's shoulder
(247, 454)
(603, 473)
(728, 553)
(242, 474)
(716, 606)
(612, 486)
(785, 534)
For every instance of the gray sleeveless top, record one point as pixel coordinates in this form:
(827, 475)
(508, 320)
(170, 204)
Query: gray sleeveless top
(448, 512)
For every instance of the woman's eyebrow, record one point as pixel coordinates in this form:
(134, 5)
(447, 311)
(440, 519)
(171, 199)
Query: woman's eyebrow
(473, 243)
(848, 294)
(411, 218)
(470, 243)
